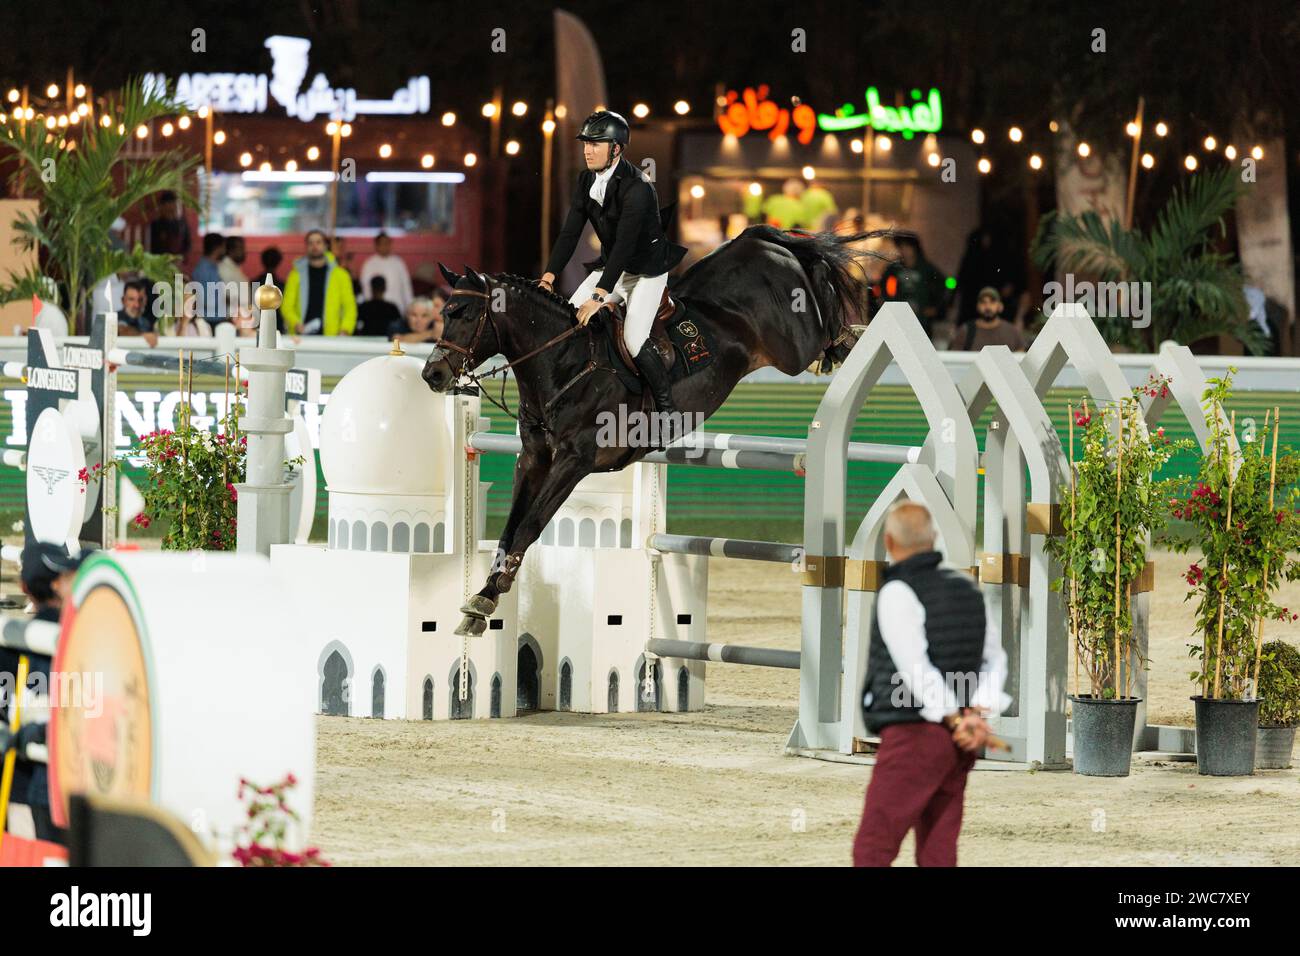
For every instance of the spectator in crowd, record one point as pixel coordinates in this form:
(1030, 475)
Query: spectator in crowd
(392, 268)
(344, 257)
(915, 280)
(423, 322)
(819, 208)
(318, 297)
(46, 578)
(988, 261)
(239, 294)
(212, 299)
(169, 233)
(272, 257)
(377, 315)
(134, 319)
(785, 209)
(989, 326)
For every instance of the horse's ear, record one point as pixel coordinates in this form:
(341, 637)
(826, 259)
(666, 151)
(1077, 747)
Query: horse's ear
(477, 279)
(450, 276)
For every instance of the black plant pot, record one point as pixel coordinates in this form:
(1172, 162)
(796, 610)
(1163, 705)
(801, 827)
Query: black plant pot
(1225, 736)
(1273, 747)
(1103, 735)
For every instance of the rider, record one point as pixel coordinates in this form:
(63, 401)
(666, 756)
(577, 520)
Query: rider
(621, 205)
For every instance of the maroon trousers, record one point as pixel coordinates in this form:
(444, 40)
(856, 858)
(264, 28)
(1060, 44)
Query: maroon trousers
(919, 781)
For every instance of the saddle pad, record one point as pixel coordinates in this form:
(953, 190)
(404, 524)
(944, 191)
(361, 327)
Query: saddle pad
(694, 351)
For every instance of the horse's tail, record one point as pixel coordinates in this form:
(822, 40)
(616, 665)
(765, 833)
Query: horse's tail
(830, 259)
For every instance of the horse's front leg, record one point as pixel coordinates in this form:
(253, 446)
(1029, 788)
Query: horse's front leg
(531, 468)
(567, 468)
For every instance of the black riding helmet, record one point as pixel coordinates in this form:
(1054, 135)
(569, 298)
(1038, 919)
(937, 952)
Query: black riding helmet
(604, 126)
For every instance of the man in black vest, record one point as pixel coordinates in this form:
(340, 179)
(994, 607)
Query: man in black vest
(934, 669)
(635, 256)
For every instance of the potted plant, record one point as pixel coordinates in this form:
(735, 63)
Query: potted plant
(1114, 505)
(1248, 534)
(1279, 705)
(84, 178)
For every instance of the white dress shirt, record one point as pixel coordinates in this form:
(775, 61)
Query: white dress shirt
(902, 626)
(598, 185)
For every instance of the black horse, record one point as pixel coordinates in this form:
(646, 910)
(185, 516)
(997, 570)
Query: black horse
(767, 298)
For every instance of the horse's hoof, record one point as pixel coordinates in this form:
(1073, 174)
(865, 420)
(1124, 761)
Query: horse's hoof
(471, 626)
(479, 606)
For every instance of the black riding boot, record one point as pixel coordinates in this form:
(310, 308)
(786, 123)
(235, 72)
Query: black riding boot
(655, 377)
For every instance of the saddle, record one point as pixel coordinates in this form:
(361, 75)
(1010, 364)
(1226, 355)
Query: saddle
(678, 341)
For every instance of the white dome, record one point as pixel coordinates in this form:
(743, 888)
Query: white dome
(384, 433)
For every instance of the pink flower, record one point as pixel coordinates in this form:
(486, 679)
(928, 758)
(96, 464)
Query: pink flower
(142, 520)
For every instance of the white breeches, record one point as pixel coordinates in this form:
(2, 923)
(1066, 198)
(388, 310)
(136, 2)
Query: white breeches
(641, 296)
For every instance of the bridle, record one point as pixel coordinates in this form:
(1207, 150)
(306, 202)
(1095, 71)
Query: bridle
(468, 364)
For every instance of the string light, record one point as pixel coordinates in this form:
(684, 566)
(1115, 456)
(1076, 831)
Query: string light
(219, 137)
(82, 109)
(548, 126)
(984, 165)
(264, 166)
(755, 189)
(640, 111)
(489, 110)
(1016, 134)
(1190, 162)
(1230, 152)
(141, 131)
(13, 96)
(1210, 143)
(1148, 161)
(512, 147)
(977, 136)
(1054, 126)
(1257, 152)
(346, 130)
(79, 90)
(331, 128)
(1084, 150)
(52, 90)
(697, 191)
(203, 112)
(932, 159)
(470, 159)
(63, 121)
(449, 118)
(1161, 128)
(105, 120)
(520, 108)
(385, 151)
(1132, 128)
(855, 145)
(168, 129)
(51, 122)
(1035, 162)
(561, 111)
(74, 117)
(681, 107)
(427, 160)
(291, 166)
(313, 153)
(884, 143)
(183, 122)
(809, 173)
(245, 159)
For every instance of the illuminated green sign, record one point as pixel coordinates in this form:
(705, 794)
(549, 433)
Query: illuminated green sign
(923, 116)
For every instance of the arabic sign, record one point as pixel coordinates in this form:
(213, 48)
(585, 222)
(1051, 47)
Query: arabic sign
(752, 110)
(248, 92)
(923, 116)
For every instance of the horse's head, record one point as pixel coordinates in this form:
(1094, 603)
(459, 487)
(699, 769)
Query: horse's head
(468, 335)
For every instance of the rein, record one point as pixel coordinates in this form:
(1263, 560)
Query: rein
(486, 317)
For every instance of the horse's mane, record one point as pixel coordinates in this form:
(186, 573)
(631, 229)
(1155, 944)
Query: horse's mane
(553, 302)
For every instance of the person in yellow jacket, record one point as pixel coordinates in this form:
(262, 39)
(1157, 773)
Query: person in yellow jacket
(318, 298)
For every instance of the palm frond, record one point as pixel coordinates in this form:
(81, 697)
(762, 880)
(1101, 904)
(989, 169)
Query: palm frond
(1192, 211)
